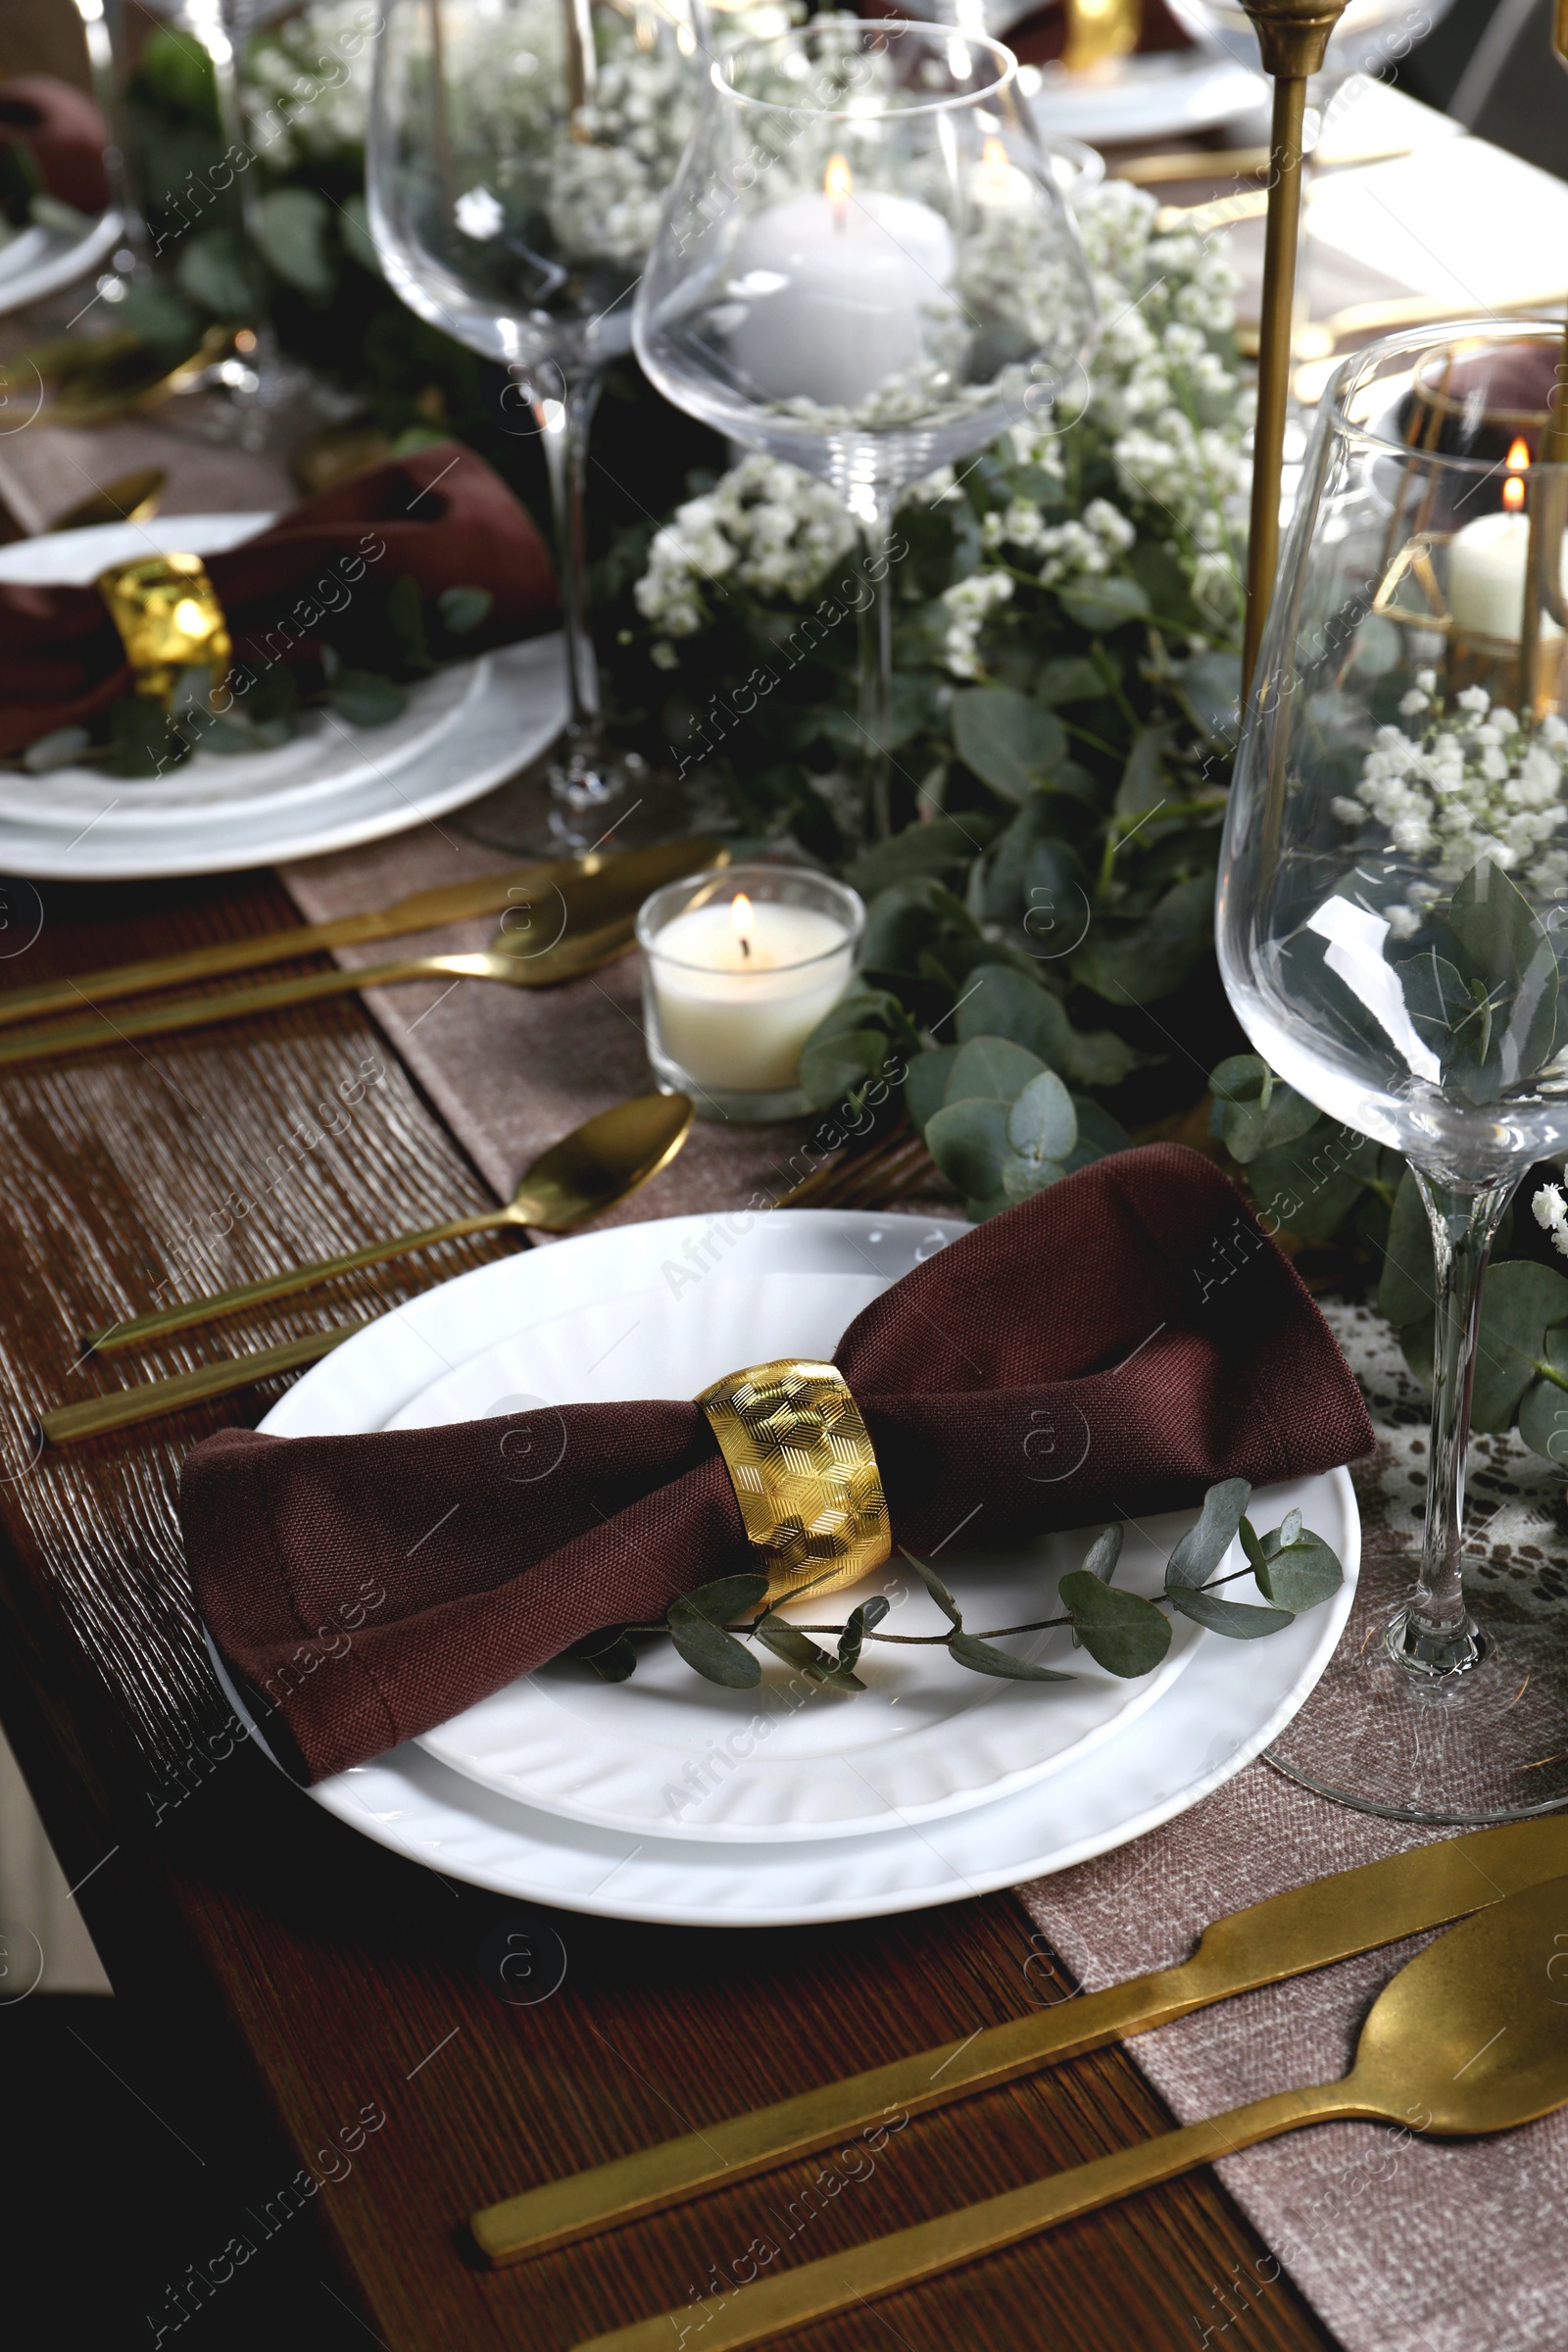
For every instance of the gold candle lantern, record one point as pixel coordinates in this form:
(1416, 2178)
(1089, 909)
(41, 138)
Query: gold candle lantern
(1292, 35)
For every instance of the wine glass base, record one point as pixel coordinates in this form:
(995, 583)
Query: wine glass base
(1487, 1742)
(575, 796)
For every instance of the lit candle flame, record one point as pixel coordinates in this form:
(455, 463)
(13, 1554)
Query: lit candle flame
(740, 918)
(838, 186)
(996, 172)
(1513, 489)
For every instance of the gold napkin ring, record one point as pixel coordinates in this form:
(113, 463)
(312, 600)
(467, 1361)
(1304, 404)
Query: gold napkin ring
(169, 617)
(804, 1474)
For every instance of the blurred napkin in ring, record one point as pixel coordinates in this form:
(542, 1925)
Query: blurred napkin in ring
(1110, 1347)
(63, 132)
(321, 572)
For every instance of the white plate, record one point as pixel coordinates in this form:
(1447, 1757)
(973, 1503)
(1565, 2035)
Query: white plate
(1223, 1710)
(1155, 96)
(333, 785)
(50, 258)
(927, 1737)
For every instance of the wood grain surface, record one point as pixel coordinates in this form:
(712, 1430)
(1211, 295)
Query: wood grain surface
(293, 1979)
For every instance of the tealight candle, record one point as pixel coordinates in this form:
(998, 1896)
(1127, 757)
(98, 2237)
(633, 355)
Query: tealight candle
(837, 292)
(739, 967)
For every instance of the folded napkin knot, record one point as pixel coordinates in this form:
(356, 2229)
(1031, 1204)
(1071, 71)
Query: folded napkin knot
(804, 1473)
(168, 619)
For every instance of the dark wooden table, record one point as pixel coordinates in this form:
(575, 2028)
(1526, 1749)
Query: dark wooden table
(291, 1983)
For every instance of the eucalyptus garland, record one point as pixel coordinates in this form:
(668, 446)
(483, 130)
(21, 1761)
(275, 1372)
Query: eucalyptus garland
(716, 1633)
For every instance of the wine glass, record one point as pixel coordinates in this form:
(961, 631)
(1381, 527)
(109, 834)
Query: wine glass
(519, 154)
(865, 268)
(1393, 887)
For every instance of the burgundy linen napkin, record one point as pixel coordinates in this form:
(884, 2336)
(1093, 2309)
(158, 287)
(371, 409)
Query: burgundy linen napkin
(1111, 1346)
(64, 133)
(440, 516)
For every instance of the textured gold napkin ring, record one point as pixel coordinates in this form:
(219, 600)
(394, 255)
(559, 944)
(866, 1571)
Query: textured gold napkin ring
(169, 617)
(804, 1473)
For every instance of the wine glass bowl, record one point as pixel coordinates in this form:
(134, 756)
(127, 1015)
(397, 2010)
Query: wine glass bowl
(519, 157)
(865, 267)
(1391, 933)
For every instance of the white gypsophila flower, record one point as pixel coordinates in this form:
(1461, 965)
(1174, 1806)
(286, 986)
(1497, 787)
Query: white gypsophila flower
(1067, 551)
(971, 604)
(1468, 788)
(1550, 1208)
(307, 83)
(771, 528)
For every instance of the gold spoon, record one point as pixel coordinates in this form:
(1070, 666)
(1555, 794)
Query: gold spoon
(1470, 2037)
(128, 498)
(597, 1164)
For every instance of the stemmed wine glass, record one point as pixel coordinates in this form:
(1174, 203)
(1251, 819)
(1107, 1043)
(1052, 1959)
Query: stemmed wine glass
(519, 154)
(1392, 888)
(865, 268)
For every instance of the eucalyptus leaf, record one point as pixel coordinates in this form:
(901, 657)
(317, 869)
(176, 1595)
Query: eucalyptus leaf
(609, 1653)
(1143, 783)
(992, 1068)
(211, 272)
(925, 1086)
(968, 1140)
(1519, 1303)
(936, 1588)
(728, 1597)
(901, 920)
(984, 1658)
(290, 226)
(1042, 1124)
(832, 1067)
(1006, 1002)
(1007, 739)
(786, 1641)
(1022, 1178)
(856, 1626)
(1071, 678)
(1300, 1574)
(936, 847)
(1543, 1407)
(1237, 1620)
(366, 699)
(464, 610)
(709, 1651)
(1121, 1632)
(1407, 1285)
(1104, 1552)
(1249, 1120)
(1205, 1542)
(1148, 960)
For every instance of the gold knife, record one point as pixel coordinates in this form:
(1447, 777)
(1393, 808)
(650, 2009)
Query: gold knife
(640, 870)
(1307, 1927)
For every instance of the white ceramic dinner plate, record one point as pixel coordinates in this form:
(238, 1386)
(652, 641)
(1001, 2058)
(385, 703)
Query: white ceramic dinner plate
(465, 728)
(1162, 94)
(41, 260)
(1212, 1716)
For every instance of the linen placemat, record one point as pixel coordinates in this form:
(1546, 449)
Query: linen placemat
(1400, 2245)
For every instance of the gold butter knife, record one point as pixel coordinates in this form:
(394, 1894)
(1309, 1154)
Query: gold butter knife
(595, 918)
(1307, 1927)
(627, 871)
(1432, 2057)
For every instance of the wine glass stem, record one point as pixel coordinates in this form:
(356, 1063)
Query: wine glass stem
(565, 425)
(1434, 1633)
(875, 623)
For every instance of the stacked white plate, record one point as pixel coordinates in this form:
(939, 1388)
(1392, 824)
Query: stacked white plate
(666, 1797)
(40, 260)
(463, 731)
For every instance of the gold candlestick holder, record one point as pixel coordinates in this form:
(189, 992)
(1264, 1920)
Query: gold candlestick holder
(1292, 35)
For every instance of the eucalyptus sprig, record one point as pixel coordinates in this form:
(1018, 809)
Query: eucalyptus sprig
(1126, 1634)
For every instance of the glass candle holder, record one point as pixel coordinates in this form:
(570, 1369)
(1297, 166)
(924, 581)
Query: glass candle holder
(738, 969)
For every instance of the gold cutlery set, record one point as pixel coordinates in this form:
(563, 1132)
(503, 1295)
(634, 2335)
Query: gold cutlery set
(1469, 2037)
(560, 920)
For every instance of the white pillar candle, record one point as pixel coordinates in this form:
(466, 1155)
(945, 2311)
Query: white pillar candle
(739, 988)
(840, 291)
(1487, 564)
